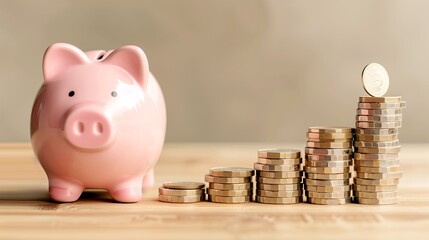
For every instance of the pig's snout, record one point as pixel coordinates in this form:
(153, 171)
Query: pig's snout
(88, 127)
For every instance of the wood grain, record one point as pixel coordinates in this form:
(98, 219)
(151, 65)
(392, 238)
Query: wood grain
(27, 213)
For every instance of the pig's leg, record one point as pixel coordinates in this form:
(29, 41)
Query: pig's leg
(129, 191)
(148, 180)
(64, 191)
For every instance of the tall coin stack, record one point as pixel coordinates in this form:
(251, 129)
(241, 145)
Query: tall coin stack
(327, 167)
(278, 176)
(376, 150)
(230, 185)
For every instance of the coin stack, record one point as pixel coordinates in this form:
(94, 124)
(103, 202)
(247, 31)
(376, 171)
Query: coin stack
(278, 176)
(328, 160)
(182, 192)
(376, 150)
(230, 185)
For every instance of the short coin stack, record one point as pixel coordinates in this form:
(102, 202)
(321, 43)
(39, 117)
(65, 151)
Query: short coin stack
(230, 184)
(376, 150)
(328, 160)
(182, 192)
(278, 176)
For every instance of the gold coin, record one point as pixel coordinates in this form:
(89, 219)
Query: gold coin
(379, 124)
(329, 130)
(396, 149)
(327, 188)
(280, 161)
(360, 194)
(376, 131)
(181, 199)
(278, 180)
(390, 175)
(381, 188)
(230, 193)
(282, 174)
(386, 118)
(278, 200)
(374, 201)
(326, 169)
(232, 172)
(230, 186)
(376, 138)
(376, 182)
(375, 79)
(211, 179)
(222, 199)
(278, 187)
(328, 158)
(312, 182)
(341, 136)
(279, 194)
(275, 168)
(180, 192)
(321, 176)
(376, 163)
(184, 185)
(330, 195)
(379, 99)
(386, 169)
(382, 105)
(279, 153)
(329, 163)
(394, 143)
(374, 156)
(379, 112)
(328, 201)
(327, 151)
(329, 144)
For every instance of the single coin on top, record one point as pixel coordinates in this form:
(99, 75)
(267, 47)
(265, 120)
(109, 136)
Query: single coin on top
(279, 153)
(184, 185)
(231, 172)
(375, 79)
(323, 129)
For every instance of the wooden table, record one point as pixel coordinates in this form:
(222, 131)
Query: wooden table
(27, 213)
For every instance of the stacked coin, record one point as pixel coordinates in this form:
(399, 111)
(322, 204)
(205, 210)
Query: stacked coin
(328, 161)
(182, 192)
(376, 150)
(230, 185)
(278, 176)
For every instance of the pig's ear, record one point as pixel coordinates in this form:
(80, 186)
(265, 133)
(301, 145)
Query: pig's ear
(60, 56)
(132, 60)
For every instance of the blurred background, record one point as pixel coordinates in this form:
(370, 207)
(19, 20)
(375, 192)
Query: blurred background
(231, 71)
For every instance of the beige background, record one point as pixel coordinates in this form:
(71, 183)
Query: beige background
(232, 70)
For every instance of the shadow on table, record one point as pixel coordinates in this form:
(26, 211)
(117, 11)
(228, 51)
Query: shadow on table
(41, 198)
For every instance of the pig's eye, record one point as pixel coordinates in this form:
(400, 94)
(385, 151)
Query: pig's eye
(114, 94)
(71, 93)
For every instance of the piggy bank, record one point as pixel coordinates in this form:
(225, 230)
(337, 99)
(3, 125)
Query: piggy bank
(98, 122)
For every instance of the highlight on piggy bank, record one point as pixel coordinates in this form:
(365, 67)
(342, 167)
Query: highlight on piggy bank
(98, 122)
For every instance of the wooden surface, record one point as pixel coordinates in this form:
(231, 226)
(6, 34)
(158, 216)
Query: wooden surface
(27, 213)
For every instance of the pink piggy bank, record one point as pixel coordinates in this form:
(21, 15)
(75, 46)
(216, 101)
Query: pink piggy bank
(98, 121)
